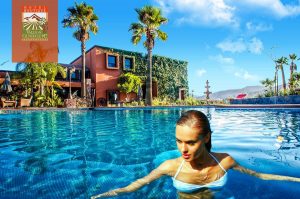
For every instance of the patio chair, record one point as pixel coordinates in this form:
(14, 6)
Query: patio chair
(5, 103)
(24, 102)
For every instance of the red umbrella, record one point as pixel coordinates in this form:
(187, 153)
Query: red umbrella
(241, 96)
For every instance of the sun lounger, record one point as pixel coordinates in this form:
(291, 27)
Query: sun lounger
(5, 103)
(24, 102)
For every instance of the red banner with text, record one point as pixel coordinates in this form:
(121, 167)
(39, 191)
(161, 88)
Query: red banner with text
(34, 31)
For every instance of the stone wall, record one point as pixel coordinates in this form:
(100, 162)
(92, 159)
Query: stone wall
(292, 99)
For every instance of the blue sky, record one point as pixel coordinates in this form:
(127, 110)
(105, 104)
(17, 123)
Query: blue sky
(228, 42)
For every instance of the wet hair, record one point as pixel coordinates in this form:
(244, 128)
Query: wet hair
(196, 119)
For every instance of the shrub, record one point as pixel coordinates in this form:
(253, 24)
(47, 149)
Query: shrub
(165, 101)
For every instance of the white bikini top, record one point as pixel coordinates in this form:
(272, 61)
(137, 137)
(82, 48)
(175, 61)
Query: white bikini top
(188, 188)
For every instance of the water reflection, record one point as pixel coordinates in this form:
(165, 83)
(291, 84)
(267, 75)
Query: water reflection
(271, 134)
(207, 112)
(288, 136)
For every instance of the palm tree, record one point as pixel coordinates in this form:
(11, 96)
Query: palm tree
(40, 75)
(52, 70)
(276, 79)
(150, 19)
(282, 61)
(268, 83)
(82, 17)
(29, 76)
(293, 67)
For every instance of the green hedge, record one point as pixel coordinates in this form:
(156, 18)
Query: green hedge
(171, 74)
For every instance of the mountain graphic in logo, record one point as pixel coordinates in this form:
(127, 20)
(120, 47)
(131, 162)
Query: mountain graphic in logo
(33, 18)
(34, 26)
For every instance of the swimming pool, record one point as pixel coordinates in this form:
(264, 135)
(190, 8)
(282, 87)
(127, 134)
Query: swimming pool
(76, 154)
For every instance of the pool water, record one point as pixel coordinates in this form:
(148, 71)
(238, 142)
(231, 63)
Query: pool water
(77, 154)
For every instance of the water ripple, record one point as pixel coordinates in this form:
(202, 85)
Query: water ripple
(74, 154)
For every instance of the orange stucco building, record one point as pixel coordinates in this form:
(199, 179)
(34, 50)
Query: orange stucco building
(104, 66)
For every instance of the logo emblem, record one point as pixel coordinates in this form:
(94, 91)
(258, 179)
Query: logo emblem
(35, 23)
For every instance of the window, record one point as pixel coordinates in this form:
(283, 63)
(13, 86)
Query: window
(87, 73)
(113, 96)
(73, 76)
(128, 63)
(77, 75)
(112, 61)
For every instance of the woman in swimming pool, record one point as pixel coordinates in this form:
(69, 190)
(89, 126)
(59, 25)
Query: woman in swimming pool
(198, 168)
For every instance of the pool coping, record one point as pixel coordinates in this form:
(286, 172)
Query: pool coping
(244, 106)
(223, 106)
(259, 106)
(32, 109)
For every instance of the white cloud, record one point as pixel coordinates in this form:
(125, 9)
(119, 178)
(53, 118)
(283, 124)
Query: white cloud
(226, 12)
(275, 7)
(222, 60)
(254, 46)
(233, 46)
(243, 74)
(258, 27)
(209, 12)
(200, 72)
(240, 73)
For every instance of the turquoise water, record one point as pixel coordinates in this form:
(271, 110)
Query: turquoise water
(76, 154)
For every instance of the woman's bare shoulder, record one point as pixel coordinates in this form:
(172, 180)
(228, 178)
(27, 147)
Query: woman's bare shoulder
(170, 166)
(225, 159)
(172, 162)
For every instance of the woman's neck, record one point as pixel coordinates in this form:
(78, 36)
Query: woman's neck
(202, 161)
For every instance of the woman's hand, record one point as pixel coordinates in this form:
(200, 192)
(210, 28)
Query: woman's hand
(106, 194)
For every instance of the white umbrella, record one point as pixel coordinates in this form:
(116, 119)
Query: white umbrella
(6, 86)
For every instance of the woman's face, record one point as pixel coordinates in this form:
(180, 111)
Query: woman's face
(190, 143)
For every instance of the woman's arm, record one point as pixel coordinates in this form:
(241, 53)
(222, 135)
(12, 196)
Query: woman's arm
(163, 169)
(263, 176)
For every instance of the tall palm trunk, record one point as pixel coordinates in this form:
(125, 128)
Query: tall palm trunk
(83, 85)
(149, 79)
(283, 79)
(275, 80)
(26, 90)
(291, 74)
(41, 88)
(31, 86)
(52, 89)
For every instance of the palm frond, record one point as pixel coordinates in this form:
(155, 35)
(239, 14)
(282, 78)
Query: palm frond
(82, 17)
(145, 44)
(150, 19)
(162, 35)
(136, 39)
(136, 26)
(77, 35)
(293, 56)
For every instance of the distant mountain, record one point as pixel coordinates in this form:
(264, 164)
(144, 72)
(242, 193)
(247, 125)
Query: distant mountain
(251, 91)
